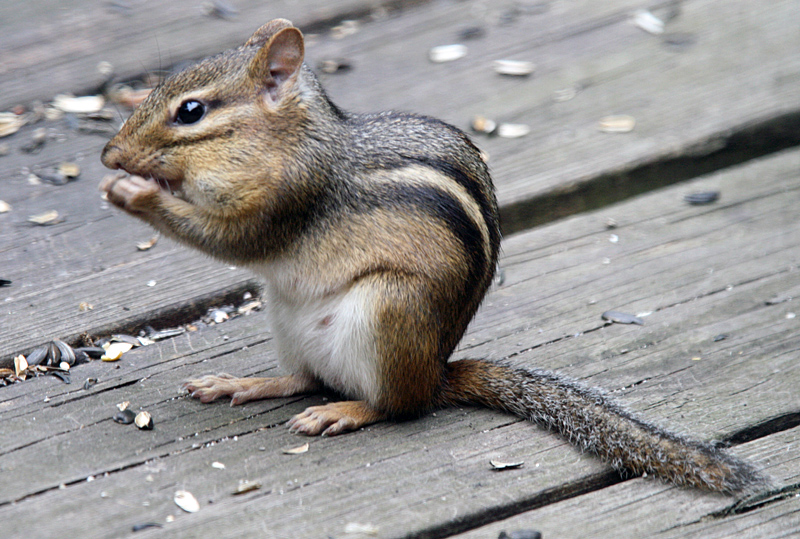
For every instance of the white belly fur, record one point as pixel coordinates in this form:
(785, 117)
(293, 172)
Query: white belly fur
(330, 337)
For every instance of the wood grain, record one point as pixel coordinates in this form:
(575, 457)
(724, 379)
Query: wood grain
(698, 272)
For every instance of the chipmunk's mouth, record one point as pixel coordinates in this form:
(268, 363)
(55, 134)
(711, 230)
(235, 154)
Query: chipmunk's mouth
(173, 187)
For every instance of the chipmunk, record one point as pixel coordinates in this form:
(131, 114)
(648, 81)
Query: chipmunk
(377, 237)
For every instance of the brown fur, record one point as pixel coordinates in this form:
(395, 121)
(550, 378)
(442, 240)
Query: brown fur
(396, 207)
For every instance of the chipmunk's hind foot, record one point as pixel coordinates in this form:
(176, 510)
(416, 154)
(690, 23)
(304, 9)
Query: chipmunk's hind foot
(335, 418)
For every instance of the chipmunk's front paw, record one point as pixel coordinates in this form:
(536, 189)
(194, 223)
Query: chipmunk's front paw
(131, 193)
(335, 418)
(211, 387)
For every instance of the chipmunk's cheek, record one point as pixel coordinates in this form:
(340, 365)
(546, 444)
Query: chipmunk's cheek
(203, 191)
(185, 191)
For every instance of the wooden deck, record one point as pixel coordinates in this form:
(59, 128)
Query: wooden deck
(716, 100)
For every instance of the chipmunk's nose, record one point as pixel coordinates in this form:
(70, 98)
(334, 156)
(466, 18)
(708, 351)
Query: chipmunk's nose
(112, 156)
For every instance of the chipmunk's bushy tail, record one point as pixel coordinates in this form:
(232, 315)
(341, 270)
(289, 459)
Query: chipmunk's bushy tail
(593, 422)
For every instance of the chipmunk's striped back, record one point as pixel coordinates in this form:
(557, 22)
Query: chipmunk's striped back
(433, 169)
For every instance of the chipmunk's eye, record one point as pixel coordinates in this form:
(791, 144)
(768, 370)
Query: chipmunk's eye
(190, 112)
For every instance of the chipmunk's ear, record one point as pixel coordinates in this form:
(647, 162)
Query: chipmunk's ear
(278, 61)
(263, 34)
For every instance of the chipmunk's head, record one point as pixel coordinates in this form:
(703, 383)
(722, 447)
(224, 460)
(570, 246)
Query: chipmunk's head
(229, 121)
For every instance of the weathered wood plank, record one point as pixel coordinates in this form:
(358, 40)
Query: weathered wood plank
(661, 263)
(641, 508)
(431, 473)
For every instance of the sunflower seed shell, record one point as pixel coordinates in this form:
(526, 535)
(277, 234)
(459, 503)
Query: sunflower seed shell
(44, 219)
(115, 350)
(513, 130)
(648, 22)
(447, 53)
(186, 501)
(67, 354)
(499, 465)
(514, 68)
(703, 197)
(79, 105)
(38, 356)
(10, 123)
(622, 318)
(617, 124)
(246, 486)
(296, 450)
(144, 421)
(482, 124)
